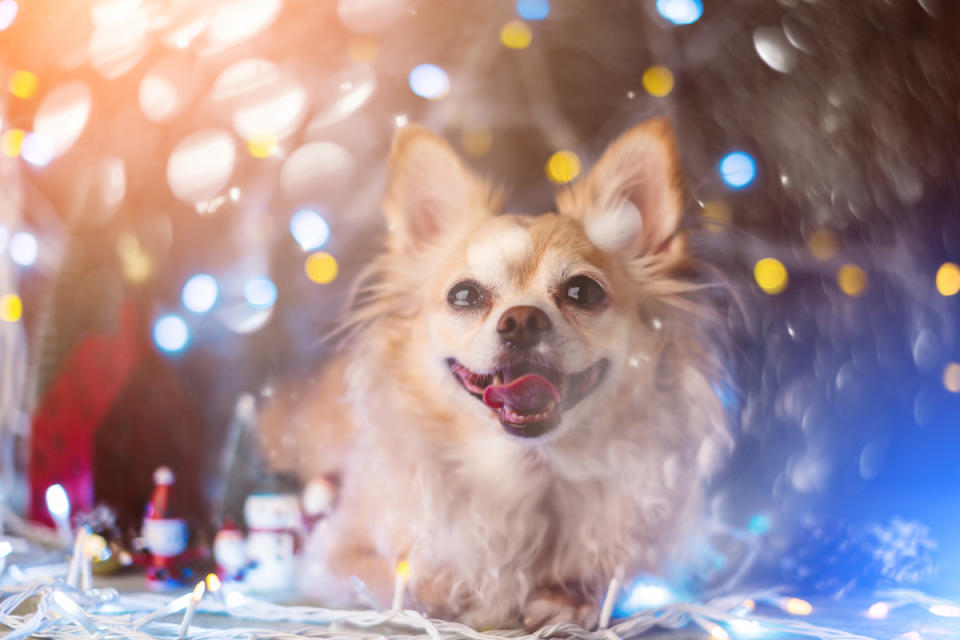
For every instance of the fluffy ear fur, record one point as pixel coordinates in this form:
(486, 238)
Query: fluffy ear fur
(632, 200)
(430, 191)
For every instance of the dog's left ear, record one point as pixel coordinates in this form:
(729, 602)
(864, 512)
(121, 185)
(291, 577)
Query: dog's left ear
(632, 201)
(430, 191)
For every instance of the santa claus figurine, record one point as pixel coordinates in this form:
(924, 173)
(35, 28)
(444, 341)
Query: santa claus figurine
(165, 535)
(230, 552)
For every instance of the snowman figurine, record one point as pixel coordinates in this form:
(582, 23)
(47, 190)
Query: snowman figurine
(275, 526)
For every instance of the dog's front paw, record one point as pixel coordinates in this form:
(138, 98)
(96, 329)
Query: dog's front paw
(554, 605)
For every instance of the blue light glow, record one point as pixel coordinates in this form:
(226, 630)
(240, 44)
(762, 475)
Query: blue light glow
(309, 229)
(58, 504)
(171, 333)
(645, 593)
(37, 149)
(8, 11)
(200, 293)
(533, 9)
(738, 169)
(260, 292)
(759, 524)
(680, 11)
(429, 81)
(23, 248)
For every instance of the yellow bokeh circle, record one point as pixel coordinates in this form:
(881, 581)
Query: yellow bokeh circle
(658, 81)
(563, 166)
(363, 48)
(771, 275)
(11, 142)
(321, 267)
(516, 35)
(852, 280)
(823, 244)
(11, 308)
(262, 146)
(23, 84)
(948, 279)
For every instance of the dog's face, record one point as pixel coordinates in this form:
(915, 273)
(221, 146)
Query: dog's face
(530, 321)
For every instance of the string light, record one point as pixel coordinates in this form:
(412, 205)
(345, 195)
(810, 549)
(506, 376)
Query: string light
(400, 584)
(11, 142)
(658, 81)
(796, 606)
(771, 275)
(429, 81)
(171, 333)
(24, 248)
(309, 229)
(11, 308)
(562, 167)
(8, 13)
(23, 84)
(321, 267)
(58, 505)
(738, 169)
(260, 292)
(878, 610)
(680, 12)
(200, 293)
(195, 598)
(823, 244)
(948, 279)
(533, 9)
(852, 280)
(516, 35)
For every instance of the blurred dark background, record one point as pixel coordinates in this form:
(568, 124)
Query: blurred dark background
(162, 140)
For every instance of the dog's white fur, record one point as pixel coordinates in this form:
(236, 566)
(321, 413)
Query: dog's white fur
(501, 530)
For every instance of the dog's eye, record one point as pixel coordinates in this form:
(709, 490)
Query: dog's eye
(584, 292)
(465, 295)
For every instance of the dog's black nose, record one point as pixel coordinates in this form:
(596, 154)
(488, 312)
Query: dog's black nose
(523, 327)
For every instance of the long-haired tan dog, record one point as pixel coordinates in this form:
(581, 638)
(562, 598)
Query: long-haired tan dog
(526, 404)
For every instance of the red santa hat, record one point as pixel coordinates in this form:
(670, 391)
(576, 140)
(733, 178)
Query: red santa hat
(160, 506)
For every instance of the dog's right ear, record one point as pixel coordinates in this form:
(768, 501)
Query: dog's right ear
(430, 191)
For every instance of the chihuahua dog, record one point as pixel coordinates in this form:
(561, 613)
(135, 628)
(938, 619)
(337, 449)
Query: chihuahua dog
(526, 404)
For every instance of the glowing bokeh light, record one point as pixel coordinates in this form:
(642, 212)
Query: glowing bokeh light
(200, 293)
(718, 633)
(645, 595)
(238, 20)
(171, 333)
(738, 169)
(951, 377)
(516, 35)
(8, 13)
(658, 81)
(852, 280)
(476, 141)
(24, 248)
(316, 171)
(11, 141)
(429, 81)
(945, 610)
(796, 606)
(265, 100)
(369, 16)
(321, 267)
(260, 292)
(159, 96)
(771, 275)
(309, 229)
(343, 95)
(562, 167)
(533, 9)
(120, 40)
(23, 84)
(878, 610)
(716, 215)
(58, 504)
(11, 308)
(63, 115)
(363, 49)
(823, 244)
(135, 263)
(680, 11)
(235, 599)
(262, 146)
(37, 149)
(4, 237)
(213, 582)
(774, 49)
(201, 165)
(759, 524)
(948, 279)
(745, 628)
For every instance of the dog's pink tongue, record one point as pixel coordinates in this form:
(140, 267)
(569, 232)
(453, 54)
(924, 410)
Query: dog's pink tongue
(527, 394)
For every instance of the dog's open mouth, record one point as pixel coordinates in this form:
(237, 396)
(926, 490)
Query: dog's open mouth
(529, 397)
